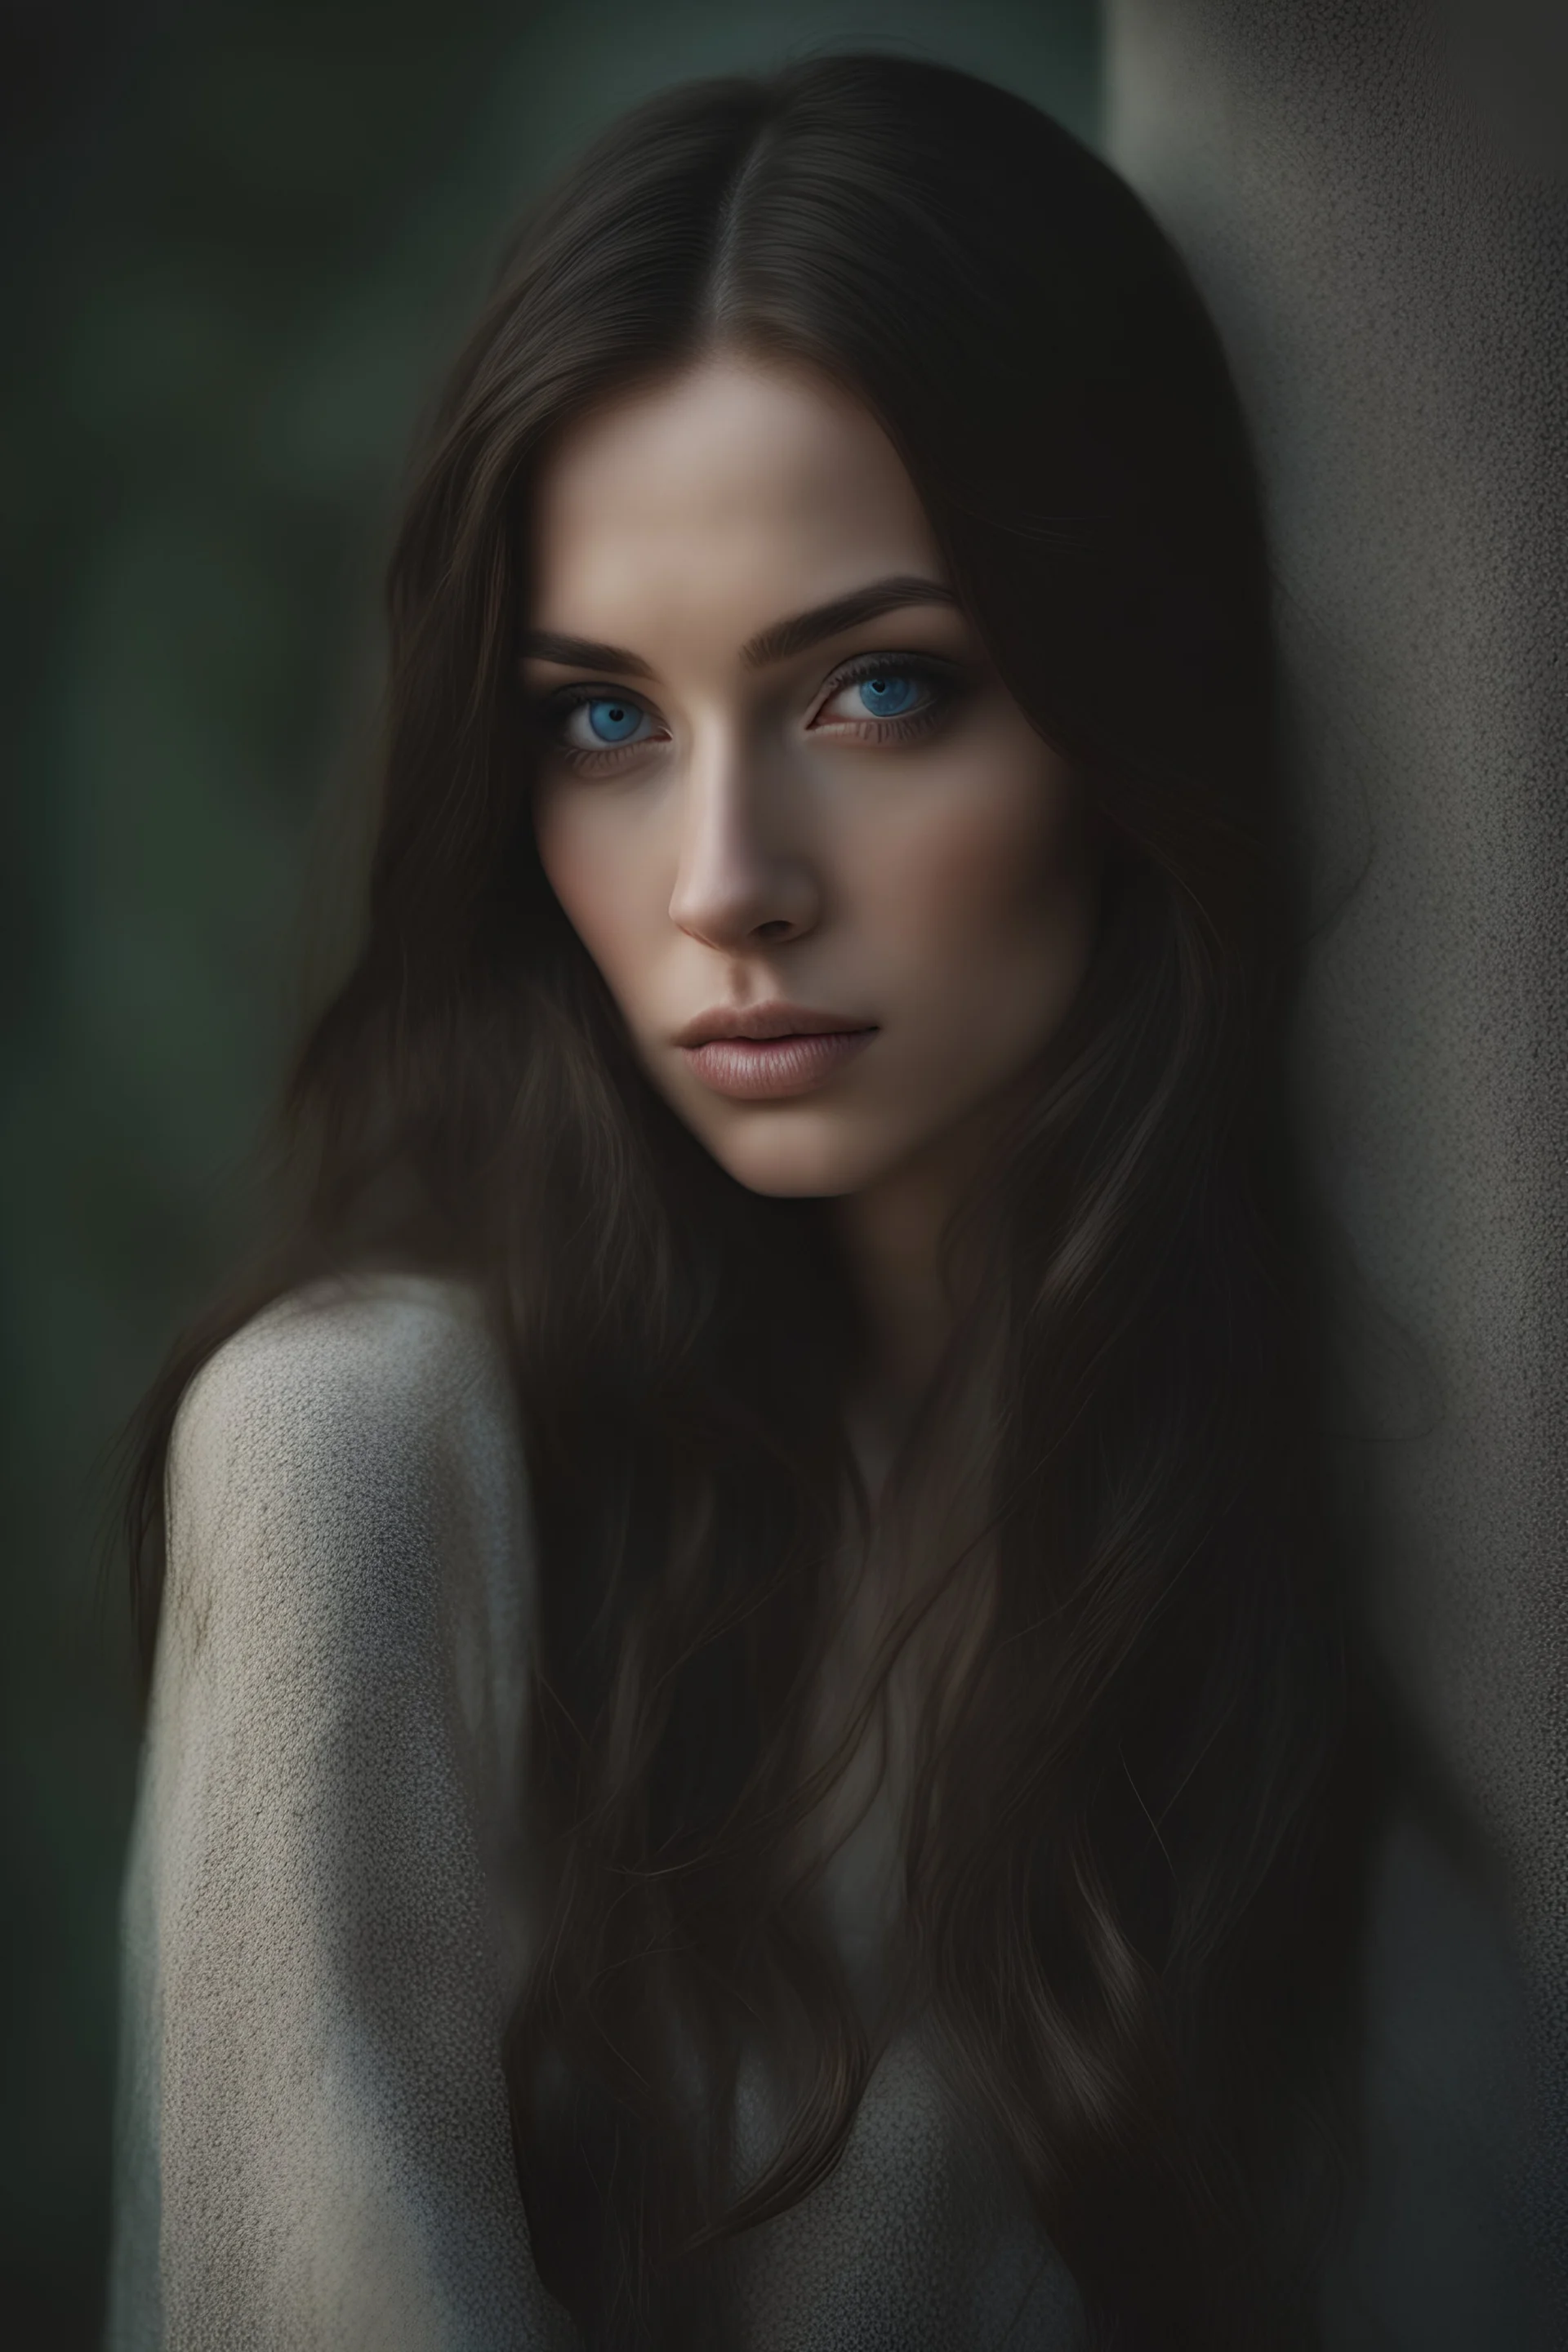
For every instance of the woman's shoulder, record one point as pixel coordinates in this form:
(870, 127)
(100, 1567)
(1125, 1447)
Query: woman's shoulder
(360, 1358)
(360, 1421)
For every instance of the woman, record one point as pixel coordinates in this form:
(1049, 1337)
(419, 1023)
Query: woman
(755, 1738)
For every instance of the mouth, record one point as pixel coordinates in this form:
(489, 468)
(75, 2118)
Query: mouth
(771, 1051)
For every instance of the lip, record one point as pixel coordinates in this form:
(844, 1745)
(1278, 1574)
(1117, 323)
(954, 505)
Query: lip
(771, 1051)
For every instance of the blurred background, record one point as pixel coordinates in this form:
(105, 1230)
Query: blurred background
(245, 236)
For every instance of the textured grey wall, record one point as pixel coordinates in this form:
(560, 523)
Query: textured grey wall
(1370, 194)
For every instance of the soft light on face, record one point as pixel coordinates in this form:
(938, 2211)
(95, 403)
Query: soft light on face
(781, 789)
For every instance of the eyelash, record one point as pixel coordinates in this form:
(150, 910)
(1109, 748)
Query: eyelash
(941, 679)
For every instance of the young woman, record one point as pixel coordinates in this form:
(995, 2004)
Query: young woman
(755, 1738)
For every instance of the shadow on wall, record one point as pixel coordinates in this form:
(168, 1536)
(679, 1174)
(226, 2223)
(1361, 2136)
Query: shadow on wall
(257, 228)
(1374, 197)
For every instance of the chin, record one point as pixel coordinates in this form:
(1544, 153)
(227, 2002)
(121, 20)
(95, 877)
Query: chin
(789, 1160)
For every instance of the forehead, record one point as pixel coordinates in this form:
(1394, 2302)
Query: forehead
(720, 499)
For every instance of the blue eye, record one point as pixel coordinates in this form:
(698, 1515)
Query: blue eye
(889, 695)
(602, 722)
(613, 723)
(914, 689)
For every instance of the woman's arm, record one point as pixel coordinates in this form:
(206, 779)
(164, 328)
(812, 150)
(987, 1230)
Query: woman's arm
(325, 1911)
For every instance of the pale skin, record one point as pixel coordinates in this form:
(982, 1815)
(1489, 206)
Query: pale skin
(731, 824)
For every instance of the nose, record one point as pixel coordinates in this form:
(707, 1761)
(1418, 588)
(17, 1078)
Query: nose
(740, 883)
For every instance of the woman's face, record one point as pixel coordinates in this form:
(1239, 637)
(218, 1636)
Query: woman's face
(836, 885)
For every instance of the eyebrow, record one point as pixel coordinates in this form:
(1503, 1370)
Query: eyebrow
(776, 643)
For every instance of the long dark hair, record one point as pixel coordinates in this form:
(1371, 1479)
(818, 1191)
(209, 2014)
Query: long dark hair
(1140, 1805)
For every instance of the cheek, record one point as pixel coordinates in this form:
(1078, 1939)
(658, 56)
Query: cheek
(991, 875)
(605, 880)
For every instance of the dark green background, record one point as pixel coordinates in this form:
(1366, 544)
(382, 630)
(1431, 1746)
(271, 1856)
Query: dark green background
(243, 240)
